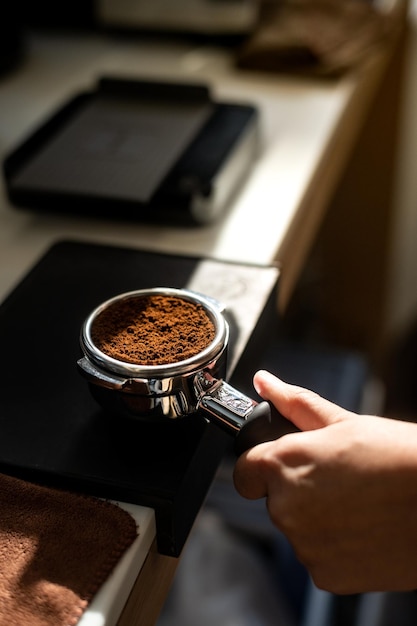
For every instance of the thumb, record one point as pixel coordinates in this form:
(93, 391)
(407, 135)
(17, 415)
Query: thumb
(306, 409)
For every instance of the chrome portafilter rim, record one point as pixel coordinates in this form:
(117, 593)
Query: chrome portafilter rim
(137, 371)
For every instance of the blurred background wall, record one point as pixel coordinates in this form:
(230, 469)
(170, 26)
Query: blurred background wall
(403, 299)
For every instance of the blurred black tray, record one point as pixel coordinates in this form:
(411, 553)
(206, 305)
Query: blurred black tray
(83, 176)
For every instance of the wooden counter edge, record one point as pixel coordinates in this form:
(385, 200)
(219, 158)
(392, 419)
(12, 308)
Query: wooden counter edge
(368, 77)
(150, 590)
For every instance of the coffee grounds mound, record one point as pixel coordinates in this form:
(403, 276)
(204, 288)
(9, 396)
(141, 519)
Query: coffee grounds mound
(152, 330)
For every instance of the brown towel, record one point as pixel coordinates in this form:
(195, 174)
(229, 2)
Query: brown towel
(56, 549)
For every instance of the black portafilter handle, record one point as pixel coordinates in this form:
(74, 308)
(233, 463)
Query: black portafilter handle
(249, 422)
(264, 423)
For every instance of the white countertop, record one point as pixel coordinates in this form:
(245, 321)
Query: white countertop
(298, 120)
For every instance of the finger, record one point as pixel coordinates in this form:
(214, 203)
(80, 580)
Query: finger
(249, 473)
(306, 409)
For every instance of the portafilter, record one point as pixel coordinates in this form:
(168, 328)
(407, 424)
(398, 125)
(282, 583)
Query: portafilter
(190, 385)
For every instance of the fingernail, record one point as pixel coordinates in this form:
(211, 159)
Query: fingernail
(259, 376)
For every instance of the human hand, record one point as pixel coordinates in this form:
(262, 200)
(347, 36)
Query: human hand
(343, 491)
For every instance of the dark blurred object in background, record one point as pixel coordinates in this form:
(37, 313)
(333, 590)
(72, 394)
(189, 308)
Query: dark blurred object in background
(49, 13)
(400, 375)
(21, 15)
(11, 38)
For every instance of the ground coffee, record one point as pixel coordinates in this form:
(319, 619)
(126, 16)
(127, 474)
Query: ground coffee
(152, 330)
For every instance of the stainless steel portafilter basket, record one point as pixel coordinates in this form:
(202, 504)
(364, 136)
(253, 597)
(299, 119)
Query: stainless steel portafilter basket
(175, 390)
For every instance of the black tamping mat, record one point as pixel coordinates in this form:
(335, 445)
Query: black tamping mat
(53, 431)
